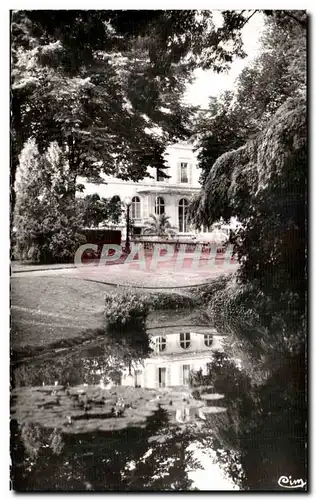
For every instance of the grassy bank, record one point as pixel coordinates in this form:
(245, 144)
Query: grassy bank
(50, 312)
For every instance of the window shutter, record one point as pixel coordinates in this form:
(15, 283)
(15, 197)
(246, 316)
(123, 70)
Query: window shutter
(181, 375)
(179, 173)
(140, 208)
(190, 169)
(169, 376)
(144, 215)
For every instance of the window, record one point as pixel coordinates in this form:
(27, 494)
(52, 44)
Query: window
(185, 340)
(115, 199)
(183, 208)
(184, 173)
(160, 206)
(159, 176)
(208, 340)
(135, 208)
(161, 343)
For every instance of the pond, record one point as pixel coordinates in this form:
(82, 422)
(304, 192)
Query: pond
(95, 417)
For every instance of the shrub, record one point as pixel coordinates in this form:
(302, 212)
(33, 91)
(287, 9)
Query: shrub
(206, 292)
(125, 315)
(175, 301)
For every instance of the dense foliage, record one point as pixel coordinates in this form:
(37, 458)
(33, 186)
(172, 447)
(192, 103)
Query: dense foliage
(46, 215)
(263, 307)
(263, 184)
(159, 225)
(114, 100)
(279, 72)
(125, 316)
(99, 211)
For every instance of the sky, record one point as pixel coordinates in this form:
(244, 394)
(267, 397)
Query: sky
(208, 83)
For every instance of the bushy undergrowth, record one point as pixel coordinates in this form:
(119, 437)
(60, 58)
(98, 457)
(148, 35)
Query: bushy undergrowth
(205, 293)
(162, 300)
(125, 315)
(122, 309)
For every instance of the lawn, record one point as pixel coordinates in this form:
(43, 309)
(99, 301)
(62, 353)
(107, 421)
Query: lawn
(47, 309)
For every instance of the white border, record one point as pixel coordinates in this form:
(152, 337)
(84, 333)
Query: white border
(4, 183)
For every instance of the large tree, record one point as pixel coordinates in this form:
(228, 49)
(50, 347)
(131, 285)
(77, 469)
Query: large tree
(254, 167)
(46, 216)
(108, 85)
(263, 308)
(279, 72)
(102, 82)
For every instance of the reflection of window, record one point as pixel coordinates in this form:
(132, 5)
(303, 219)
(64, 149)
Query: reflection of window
(184, 173)
(186, 374)
(135, 208)
(161, 343)
(183, 208)
(138, 380)
(208, 340)
(185, 340)
(162, 377)
(160, 206)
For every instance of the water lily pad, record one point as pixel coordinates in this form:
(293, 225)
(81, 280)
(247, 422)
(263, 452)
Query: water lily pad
(76, 412)
(208, 410)
(157, 439)
(212, 397)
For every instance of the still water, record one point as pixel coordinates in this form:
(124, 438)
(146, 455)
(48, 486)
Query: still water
(173, 451)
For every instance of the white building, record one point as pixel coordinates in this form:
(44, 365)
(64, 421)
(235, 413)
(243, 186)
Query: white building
(156, 195)
(174, 356)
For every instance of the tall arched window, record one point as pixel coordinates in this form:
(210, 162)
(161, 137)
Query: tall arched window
(185, 340)
(160, 206)
(135, 208)
(115, 199)
(183, 209)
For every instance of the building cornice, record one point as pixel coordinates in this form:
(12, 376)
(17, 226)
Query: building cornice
(179, 356)
(172, 189)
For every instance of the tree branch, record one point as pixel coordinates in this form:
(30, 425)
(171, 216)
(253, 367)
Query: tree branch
(248, 18)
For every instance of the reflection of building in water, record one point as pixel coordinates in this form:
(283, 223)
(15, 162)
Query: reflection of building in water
(174, 356)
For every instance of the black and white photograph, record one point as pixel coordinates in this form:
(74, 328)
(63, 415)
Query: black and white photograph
(158, 250)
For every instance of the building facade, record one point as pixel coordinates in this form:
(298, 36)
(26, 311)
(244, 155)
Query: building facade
(175, 355)
(156, 195)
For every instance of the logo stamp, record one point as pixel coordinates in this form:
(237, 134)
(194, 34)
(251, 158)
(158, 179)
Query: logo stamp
(289, 483)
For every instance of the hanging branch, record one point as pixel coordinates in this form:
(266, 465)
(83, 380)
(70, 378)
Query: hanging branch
(248, 18)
